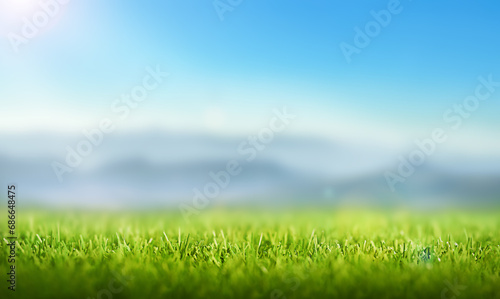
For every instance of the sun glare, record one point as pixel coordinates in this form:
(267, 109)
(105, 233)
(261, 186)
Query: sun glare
(17, 6)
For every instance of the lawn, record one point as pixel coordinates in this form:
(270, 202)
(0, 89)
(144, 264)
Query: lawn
(308, 253)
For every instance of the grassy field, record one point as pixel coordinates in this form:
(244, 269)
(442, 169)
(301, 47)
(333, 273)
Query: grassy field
(254, 254)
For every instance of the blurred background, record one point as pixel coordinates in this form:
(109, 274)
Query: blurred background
(66, 67)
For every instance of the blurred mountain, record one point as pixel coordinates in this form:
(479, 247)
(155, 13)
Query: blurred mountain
(161, 169)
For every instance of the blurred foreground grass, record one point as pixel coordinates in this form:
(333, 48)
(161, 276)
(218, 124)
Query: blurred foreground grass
(255, 254)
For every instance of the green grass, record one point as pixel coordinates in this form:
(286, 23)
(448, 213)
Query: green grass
(278, 254)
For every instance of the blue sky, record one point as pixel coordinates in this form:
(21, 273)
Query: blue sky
(263, 55)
